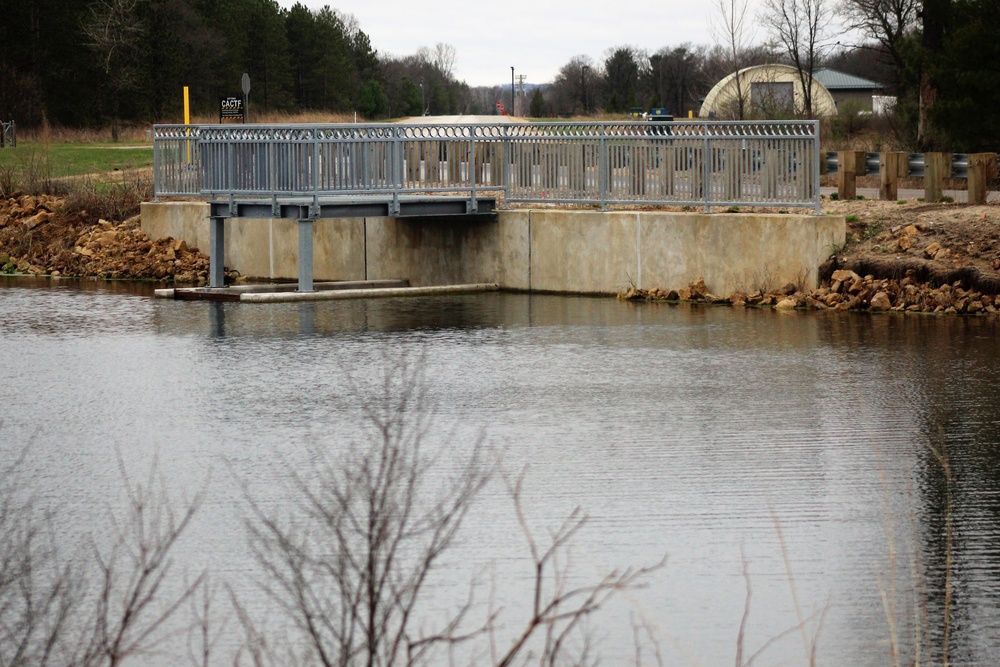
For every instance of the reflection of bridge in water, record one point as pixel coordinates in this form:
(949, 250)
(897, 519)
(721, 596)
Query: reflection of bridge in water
(308, 172)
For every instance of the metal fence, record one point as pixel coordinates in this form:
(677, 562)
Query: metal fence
(636, 163)
(8, 134)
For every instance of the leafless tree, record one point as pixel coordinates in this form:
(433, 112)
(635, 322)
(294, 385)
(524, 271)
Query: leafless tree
(732, 30)
(442, 57)
(575, 87)
(115, 31)
(884, 21)
(801, 28)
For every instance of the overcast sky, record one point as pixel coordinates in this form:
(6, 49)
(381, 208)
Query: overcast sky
(537, 37)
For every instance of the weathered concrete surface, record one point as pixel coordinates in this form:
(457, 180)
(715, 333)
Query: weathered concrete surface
(591, 251)
(735, 251)
(541, 250)
(270, 248)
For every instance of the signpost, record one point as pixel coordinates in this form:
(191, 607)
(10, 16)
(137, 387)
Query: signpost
(245, 85)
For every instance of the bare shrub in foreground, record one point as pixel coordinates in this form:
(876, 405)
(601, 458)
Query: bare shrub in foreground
(129, 612)
(349, 568)
(36, 591)
(63, 609)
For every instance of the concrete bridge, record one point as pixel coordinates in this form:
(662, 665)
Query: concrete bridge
(432, 203)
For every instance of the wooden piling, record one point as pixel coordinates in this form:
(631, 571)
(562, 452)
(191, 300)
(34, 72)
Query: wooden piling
(934, 175)
(850, 163)
(889, 175)
(982, 171)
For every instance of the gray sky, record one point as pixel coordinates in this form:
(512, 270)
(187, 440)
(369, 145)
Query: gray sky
(537, 38)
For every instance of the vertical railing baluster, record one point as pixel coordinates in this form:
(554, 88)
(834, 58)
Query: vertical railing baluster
(706, 168)
(602, 169)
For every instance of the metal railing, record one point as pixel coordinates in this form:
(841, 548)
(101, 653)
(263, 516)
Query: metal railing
(635, 163)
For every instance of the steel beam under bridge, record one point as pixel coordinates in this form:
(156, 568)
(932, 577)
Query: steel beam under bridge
(307, 210)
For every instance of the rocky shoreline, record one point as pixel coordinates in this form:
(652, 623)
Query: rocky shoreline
(845, 291)
(38, 236)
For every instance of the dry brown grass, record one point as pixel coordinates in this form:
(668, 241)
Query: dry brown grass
(128, 134)
(282, 118)
(117, 198)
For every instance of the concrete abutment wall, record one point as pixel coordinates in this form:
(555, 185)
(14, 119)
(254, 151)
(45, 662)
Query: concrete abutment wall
(538, 250)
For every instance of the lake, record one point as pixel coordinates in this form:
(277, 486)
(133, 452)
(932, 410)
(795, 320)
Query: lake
(800, 451)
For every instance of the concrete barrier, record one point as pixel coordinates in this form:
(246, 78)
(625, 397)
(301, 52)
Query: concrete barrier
(561, 251)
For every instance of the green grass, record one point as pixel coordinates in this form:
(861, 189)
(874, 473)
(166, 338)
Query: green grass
(77, 159)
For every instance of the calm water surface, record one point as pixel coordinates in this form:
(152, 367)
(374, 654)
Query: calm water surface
(801, 440)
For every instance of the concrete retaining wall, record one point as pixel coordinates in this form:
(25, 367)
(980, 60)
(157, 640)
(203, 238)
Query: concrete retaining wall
(539, 250)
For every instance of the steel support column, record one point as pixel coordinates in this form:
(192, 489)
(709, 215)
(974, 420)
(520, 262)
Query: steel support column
(217, 252)
(305, 255)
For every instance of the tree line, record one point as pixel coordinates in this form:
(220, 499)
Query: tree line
(90, 63)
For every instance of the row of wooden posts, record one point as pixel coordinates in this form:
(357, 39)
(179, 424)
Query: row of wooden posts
(937, 167)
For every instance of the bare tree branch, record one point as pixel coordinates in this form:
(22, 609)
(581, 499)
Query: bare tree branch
(350, 568)
(558, 610)
(128, 616)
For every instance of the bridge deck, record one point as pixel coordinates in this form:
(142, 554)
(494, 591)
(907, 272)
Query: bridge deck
(374, 206)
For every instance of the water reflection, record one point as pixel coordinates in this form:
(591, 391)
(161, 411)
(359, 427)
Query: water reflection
(687, 430)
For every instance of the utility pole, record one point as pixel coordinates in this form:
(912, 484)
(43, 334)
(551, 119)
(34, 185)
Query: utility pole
(583, 85)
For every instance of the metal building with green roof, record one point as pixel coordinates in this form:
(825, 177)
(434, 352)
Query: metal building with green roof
(844, 87)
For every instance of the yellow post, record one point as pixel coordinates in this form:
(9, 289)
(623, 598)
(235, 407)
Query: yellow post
(690, 114)
(187, 120)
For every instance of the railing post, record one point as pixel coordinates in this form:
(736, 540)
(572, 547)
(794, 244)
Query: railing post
(397, 168)
(315, 163)
(819, 162)
(706, 170)
(157, 166)
(473, 168)
(603, 168)
(502, 157)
